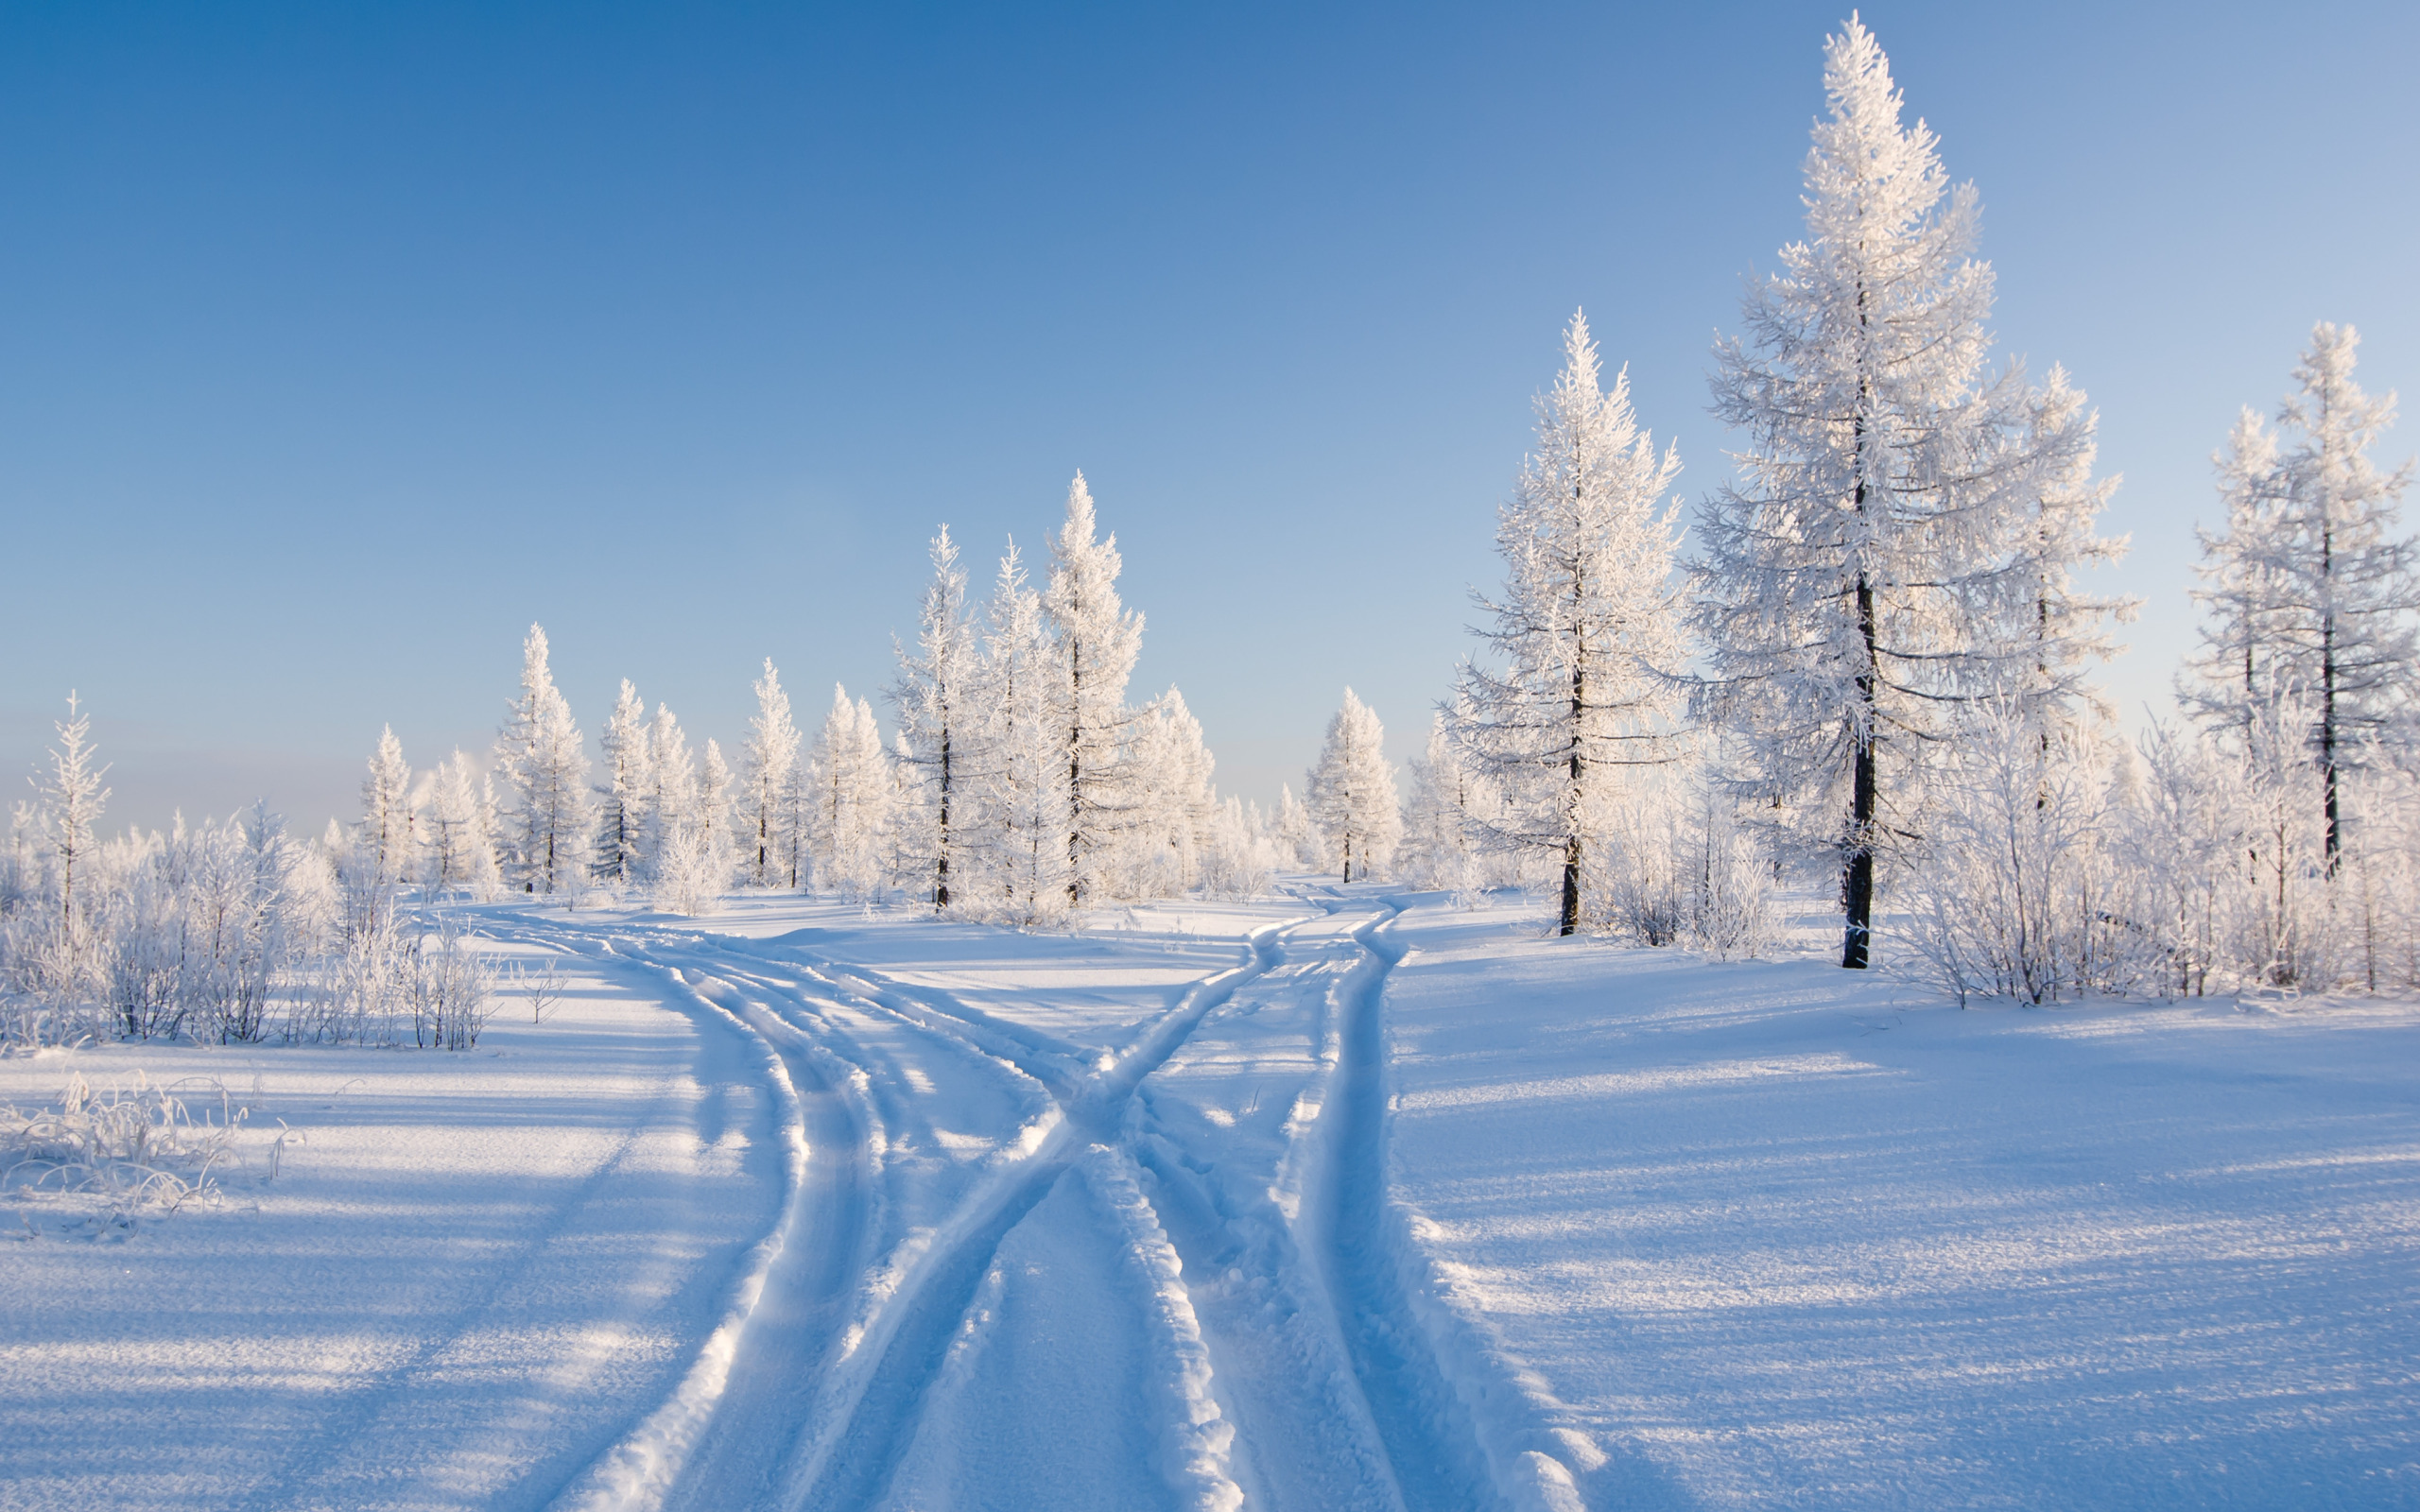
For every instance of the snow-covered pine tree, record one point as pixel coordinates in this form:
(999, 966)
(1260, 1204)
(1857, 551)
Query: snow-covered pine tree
(71, 799)
(1019, 829)
(1438, 848)
(2228, 680)
(460, 850)
(385, 840)
(1175, 803)
(1298, 838)
(936, 719)
(850, 825)
(1351, 792)
(1586, 627)
(2046, 631)
(671, 789)
(1096, 642)
(622, 797)
(1843, 583)
(767, 759)
(538, 755)
(687, 859)
(2311, 589)
(710, 817)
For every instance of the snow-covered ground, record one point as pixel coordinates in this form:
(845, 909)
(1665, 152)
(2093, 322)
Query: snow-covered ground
(1334, 1200)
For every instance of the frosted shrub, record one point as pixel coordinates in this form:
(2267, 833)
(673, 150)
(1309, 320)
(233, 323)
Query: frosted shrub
(1242, 856)
(689, 871)
(130, 1150)
(2380, 889)
(2021, 893)
(1633, 880)
(1729, 880)
(1680, 869)
(2185, 837)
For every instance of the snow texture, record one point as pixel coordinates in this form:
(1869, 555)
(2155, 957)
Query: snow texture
(1345, 1198)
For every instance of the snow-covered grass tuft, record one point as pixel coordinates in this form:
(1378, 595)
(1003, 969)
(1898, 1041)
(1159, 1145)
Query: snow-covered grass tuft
(113, 1155)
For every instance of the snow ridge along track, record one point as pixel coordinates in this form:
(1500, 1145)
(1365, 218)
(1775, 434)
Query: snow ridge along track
(820, 1199)
(1454, 1414)
(1425, 1434)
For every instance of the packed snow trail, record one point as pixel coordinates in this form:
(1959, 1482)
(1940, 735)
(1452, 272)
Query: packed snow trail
(857, 1468)
(1426, 1436)
(1339, 1203)
(999, 1192)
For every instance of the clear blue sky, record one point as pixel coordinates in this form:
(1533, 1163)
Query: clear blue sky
(337, 343)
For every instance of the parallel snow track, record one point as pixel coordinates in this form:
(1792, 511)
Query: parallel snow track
(855, 1465)
(814, 1407)
(1429, 1442)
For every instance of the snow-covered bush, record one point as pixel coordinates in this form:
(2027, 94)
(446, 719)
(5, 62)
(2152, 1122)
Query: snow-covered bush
(124, 1151)
(1242, 856)
(2023, 889)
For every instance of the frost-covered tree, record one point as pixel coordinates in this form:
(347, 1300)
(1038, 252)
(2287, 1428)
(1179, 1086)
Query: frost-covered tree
(1241, 854)
(2311, 590)
(1444, 817)
(2039, 624)
(1096, 642)
(1298, 838)
(72, 799)
(1175, 805)
(852, 787)
(1351, 793)
(545, 772)
(387, 838)
(1587, 628)
(622, 797)
(768, 762)
(671, 798)
(460, 855)
(679, 843)
(1019, 826)
(1851, 585)
(710, 817)
(937, 721)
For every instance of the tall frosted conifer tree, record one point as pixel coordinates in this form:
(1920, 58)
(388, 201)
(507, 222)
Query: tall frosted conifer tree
(545, 771)
(1853, 583)
(933, 697)
(1586, 627)
(770, 760)
(853, 793)
(1096, 642)
(384, 841)
(72, 801)
(2310, 591)
(622, 796)
(1351, 793)
(460, 850)
(1021, 825)
(2045, 630)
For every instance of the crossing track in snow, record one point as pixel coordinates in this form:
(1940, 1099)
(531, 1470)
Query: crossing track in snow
(830, 1362)
(853, 1466)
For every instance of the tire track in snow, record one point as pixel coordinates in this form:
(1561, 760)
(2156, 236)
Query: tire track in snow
(854, 1467)
(705, 1443)
(1429, 1440)
(1304, 1439)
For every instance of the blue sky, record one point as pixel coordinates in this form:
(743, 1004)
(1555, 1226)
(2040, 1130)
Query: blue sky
(340, 343)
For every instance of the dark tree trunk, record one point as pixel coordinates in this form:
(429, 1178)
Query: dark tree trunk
(1858, 892)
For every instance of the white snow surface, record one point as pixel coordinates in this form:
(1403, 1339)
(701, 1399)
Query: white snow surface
(1340, 1199)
